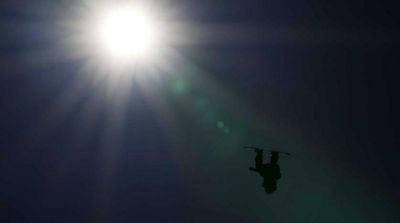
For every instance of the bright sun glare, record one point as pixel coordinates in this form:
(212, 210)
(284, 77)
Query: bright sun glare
(126, 33)
(118, 40)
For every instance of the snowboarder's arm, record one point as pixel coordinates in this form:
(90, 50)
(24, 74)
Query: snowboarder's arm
(253, 169)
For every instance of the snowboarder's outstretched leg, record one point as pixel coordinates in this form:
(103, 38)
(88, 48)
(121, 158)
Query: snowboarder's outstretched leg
(259, 158)
(274, 157)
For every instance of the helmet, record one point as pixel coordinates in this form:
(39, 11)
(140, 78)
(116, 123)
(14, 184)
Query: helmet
(269, 188)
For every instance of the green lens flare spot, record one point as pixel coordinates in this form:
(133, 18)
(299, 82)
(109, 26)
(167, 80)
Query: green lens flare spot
(227, 130)
(220, 124)
(180, 86)
(201, 102)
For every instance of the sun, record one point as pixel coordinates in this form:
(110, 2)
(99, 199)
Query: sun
(116, 41)
(125, 32)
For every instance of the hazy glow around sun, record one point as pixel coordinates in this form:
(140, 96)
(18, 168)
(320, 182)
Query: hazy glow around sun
(118, 40)
(125, 32)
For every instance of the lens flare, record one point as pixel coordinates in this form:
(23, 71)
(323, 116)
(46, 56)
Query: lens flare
(126, 33)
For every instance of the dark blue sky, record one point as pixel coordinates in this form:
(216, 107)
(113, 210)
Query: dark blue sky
(317, 79)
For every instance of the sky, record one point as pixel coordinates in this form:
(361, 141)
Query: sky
(316, 79)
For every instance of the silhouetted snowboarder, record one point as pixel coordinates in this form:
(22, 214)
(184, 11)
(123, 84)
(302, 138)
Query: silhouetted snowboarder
(270, 172)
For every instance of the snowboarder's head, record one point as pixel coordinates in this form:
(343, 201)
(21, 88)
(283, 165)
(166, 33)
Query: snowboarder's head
(269, 188)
